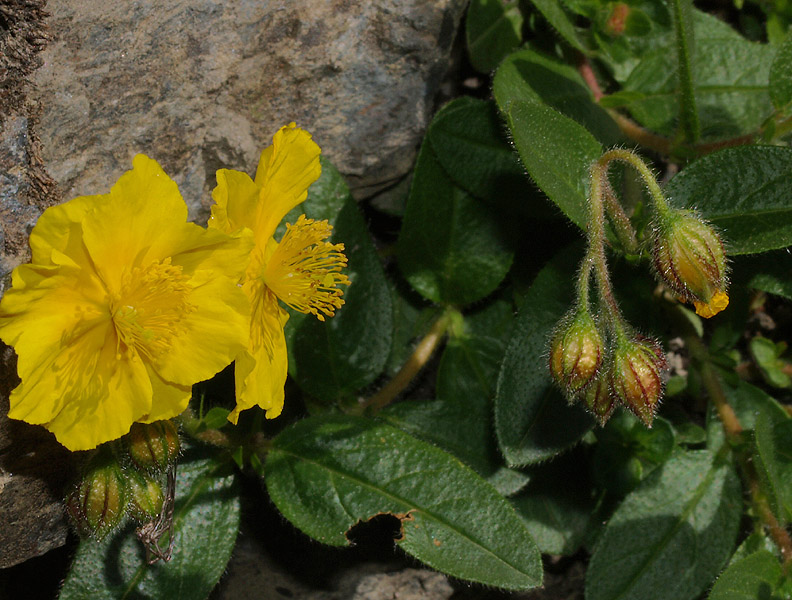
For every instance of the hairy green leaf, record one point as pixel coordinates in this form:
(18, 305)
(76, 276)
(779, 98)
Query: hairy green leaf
(744, 192)
(493, 28)
(532, 419)
(781, 74)
(755, 576)
(206, 520)
(327, 474)
(531, 76)
(672, 535)
(469, 141)
(560, 21)
(440, 254)
(557, 152)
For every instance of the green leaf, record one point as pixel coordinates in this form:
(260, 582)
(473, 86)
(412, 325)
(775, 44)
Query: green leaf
(560, 21)
(755, 576)
(683, 37)
(460, 421)
(412, 319)
(781, 74)
(443, 257)
(532, 419)
(335, 358)
(206, 519)
(327, 474)
(493, 28)
(766, 355)
(771, 273)
(558, 503)
(773, 435)
(531, 76)
(468, 139)
(730, 87)
(744, 192)
(557, 152)
(672, 535)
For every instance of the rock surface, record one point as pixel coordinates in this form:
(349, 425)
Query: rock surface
(202, 84)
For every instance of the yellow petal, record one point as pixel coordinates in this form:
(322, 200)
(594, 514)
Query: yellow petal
(260, 371)
(137, 223)
(719, 301)
(260, 378)
(211, 335)
(236, 198)
(285, 171)
(84, 395)
(168, 399)
(59, 228)
(46, 308)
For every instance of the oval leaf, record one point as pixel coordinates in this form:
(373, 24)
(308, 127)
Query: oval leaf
(493, 28)
(744, 192)
(755, 576)
(443, 257)
(557, 152)
(206, 519)
(532, 419)
(781, 74)
(327, 474)
(672, 535)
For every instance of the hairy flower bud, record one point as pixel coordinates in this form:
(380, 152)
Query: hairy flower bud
(575, 352)
(636, 376)
(689, 258)
(98, 503)
(598, 399)
(145, 497)
(153, 447)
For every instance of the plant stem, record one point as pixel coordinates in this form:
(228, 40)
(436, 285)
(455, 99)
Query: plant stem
(732, 428)
(418, 359)
(630, 158)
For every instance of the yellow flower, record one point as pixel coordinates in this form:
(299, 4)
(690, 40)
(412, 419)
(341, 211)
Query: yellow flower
(123, 307)
(302, 270)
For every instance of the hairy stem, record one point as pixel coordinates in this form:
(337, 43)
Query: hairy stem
(418, 359)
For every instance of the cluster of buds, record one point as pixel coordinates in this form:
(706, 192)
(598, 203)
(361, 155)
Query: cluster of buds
(628, 370)
(602, 363)
(124, 478)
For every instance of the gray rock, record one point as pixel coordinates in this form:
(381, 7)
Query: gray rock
(204, 84)
(34, 468)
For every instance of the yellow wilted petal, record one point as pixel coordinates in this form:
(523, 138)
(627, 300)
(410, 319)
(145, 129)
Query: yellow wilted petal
(236, 198)
(260, 377)
(285, 171)
(719, 301)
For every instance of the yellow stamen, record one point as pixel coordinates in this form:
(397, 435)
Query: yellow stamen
(148, 307)
(304, 270)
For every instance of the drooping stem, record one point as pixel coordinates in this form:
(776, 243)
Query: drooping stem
(417, 360)
(632, 159)
(595, 253)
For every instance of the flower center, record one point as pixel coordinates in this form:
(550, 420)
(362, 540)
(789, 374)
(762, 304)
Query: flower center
(146, 311)
(304, 270)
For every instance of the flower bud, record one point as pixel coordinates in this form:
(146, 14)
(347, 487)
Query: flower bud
(598, 399)
(98, 503)
(637, 376)
(689, 258)
(145, 497)
(575, 352)
(154, 446)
